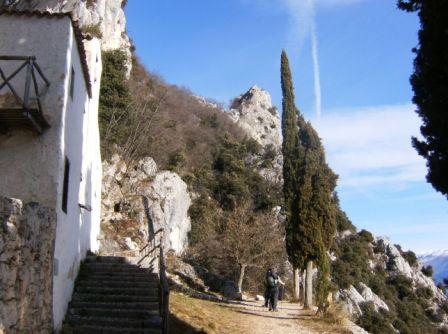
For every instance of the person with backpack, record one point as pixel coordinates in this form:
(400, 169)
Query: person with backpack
(267, 288)
(272, 284)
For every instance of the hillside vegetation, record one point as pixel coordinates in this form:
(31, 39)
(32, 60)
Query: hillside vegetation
(145, 116)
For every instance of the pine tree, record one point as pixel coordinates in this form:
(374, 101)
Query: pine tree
(308, 187)
(430, 85)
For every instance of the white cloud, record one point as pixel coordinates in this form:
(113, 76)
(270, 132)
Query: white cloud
(372, 146)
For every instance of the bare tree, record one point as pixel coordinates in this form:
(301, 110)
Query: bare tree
(250, 238)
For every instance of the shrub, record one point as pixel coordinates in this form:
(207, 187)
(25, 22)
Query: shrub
(93, 29)
(427, 271)
(412, 319)
(424, 292)
(402, 285)
(410, 257)
(210, 120)
(352, 265)
(176, 160)
(269, 155)
(273, 111)
(366, 236)
(90, 3)
(374, 322)
(114, 101)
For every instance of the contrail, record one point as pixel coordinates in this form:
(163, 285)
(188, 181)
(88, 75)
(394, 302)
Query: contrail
(316, 69)
(303, 24)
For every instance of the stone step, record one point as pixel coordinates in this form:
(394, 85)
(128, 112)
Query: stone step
(118, 283)
(91, 297)
(114, 313)
(113, 267)
(150, 306)
(128, 279)
(105, 259)
(118, 272)
(86, 329)
(152, 322)
(127, 290)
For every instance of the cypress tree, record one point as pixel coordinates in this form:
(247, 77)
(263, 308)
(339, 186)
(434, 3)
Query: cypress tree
(308, 187)
(290, 156)
(430, 85)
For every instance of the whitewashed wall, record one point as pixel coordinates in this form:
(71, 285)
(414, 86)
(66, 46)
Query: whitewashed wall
(30, 164)
(32, 167)
(77, 230)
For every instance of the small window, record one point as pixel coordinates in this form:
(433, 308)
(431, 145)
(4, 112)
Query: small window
(72, 83)
(65, 186)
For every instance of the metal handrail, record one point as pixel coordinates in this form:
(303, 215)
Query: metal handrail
(164, 293)
(33, 71)
(149, 250)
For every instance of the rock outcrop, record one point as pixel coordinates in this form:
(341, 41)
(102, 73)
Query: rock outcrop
(254, 113)
(398, 264)
(392, 261)
(107, 16)
(355, 297)
(139, 201)
(26, 267)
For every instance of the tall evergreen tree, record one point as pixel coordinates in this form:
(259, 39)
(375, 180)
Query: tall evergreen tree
(308, 187)
(430, 85)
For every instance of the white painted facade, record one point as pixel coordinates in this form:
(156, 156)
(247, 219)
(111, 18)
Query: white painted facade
(32, 166)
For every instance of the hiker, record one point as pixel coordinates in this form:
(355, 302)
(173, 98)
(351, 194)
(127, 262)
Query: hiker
(272, 284)
(267, 290)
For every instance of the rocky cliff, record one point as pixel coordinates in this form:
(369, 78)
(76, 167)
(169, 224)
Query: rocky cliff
(137, 201)
(374, 275)
(104, 17)
(254, 113)
(259, 119)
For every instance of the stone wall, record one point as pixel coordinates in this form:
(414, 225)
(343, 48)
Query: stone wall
(27, 234)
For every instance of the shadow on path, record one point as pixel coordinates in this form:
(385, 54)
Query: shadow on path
(178, 326)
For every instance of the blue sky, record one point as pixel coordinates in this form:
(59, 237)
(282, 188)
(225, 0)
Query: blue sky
(351, 61)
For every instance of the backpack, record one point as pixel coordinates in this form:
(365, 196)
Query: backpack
(272, 282)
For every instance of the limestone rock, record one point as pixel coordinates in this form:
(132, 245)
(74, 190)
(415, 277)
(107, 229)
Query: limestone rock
(353, 300)
(370, 296)
(137, 201)
(259, 298)
(168, 204)
(26, 267)
(108, 15)
(254, 113)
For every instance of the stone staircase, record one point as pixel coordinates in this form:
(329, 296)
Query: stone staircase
(112, 295)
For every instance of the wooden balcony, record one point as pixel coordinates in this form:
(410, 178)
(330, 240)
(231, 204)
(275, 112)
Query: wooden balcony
(20, 99)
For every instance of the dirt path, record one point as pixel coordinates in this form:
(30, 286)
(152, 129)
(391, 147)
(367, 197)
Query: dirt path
(192, 315)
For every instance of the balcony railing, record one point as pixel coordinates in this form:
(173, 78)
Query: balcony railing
(21, 104)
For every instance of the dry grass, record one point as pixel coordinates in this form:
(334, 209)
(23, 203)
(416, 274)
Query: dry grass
(191, 315)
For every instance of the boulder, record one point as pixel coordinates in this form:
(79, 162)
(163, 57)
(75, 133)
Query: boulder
(139, 200)
(370, 296)
(259, 298)
(230, 290)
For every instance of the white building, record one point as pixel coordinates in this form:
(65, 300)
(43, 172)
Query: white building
(50, 154)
